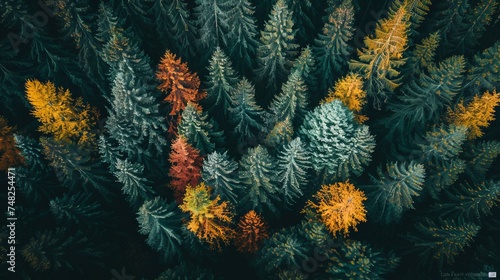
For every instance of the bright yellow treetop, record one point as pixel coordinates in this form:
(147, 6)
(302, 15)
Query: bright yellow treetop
(60, 115)
(340, 207)
(478, 113)
(350, 91)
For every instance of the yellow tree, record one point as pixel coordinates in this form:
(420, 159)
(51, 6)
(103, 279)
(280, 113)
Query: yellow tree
(339, 206)
(252, 230)
(350, 91)
(210, 219)
(478, 113)
(67, 119)
(383, 54)
(9, 154)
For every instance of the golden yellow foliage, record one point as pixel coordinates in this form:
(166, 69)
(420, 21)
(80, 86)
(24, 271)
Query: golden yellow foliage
(340, 207)
(350, 91)
(9, 154)
(210, 219)
(68, 120)
(478, 113)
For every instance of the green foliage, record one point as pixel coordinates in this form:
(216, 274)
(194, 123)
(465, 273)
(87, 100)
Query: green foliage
(481, 157)
(450, 19)
(277, 48)
(421, 58)
(79, 209)
(293, 165)
(417, 9)
(393, 191)
(281, 133)
(305, 66)
(444, 143)
(302, 16)
(220, 172)
(186, 271)
(258, 175)
(245, 114)
(212, 20)
(135, 186)
(443, 174)
(161, 222)
(485, 73)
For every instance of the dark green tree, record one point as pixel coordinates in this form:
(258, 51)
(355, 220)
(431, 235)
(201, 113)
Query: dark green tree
(421, 58)
(78, 209)
(305, 66)
(303, 13)
(481, 157)
(134, 185)
(185, 271)
(293, 167)
(212, 20)
(444, 143)
(418, 9)
(220, 172)
(245, 114)
(485, 73)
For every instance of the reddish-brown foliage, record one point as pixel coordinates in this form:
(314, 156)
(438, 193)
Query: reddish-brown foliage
(9, 154)
(252, 230)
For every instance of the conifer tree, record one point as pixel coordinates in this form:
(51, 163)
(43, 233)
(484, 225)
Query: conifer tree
(78, 209)
(478, 113)
(442, 174)
(485, 73)
(212, 20)
(444, 143)
(417, 9)
(251, 232)
(185, 166)
(305, 66)
(220, 172)
(9, 153)
(277, 47)
(210, 219)
(382, 55)
(350, 91)
(340, 207)
(161, 222)
(280, 134)
(449, 20)
(394, 190)
(481, 157)
(331, 47)
(302, 13)
(421, 57)
(185, 271)
(135, 186)
(242, 35)
(257, 174)
(293, 166)
(245, 114)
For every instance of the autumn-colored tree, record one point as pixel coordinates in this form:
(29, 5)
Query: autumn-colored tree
(9, 154)
(350, 91)
(252, 230)
(185, 166)
(180, 85)
(478, 113)
(67, 119)
(210, 219)
(340, 207)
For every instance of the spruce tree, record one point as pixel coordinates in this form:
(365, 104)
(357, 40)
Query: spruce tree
(78, 209)
(220, 172)
(137, 188)
(303, 12)
(481, 156)
(485, 73)
(305, 66)
(421, 58)
(245, 114)
(417, 9)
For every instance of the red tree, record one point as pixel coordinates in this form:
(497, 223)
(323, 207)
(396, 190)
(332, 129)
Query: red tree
(252, 231)
(9, 154)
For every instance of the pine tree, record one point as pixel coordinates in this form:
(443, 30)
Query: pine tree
(421, 57)
(331, 48)
(394, 190)
(78, 209)
(161, 222)
(180, 85)
(242, 35)
(485, 73)
(293, 167)
(210, 219)
(417, 9)
(383, 55)
(185, 166)
(9, 153)
(212, 20)
(441, 241)
(257, 174)
(67, 119)
(220, 172)
(305, 66)
(340, 207)
(245, 114)
(198, 131)
(481, 157)
(277, 48)
(350, 91)
(478, 113)
(137, 188)
(251, 232)
(222, 81)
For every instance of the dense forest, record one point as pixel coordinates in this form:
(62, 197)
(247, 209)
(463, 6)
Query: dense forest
(250, 139)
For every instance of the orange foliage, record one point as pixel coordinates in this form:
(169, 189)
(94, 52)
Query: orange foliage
(350, 91)
(478, 113)
(251, 232)
(185, 167)
(210, 219)
(68, 120)
(340, 206)
(9, 154)
(180, 85)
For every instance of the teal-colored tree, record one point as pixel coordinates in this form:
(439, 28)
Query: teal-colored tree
(221, 173)
(306, 66)
(393, 191)
(185, 271)
(440, 242)
(242, 35)
(485, 73)
(281, 133)
(421, 58)
(442, 174)
(245, 114)
(444, 142)
(161, 222)
(78, 209)
(449, 19)
(331, 46)
(481, 157)
(137, 188)
(277, 48)
(303, 13)
(417, 9)
(200, 132)
(293, 167)
(338, 144)
(212, 20)
(258, 176)
(221, 83)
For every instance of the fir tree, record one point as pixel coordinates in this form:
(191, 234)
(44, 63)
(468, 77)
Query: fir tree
(305, 66)
(9, 153)
(485, 73)
(302, 13)
(442, 174)
(161, 222)
(220, 172)
(135, 186)
(212, 20)
(280, 134)
(481, 157)
(444, 143)
(421, 58)
(449, 20)
(257, 174)
(417, 9)
(78, 209)
(277, 48)
(245, 114)
(251, 232)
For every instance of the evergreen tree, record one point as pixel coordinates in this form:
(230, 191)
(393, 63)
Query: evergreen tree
(257, 174)
(293, 165)
(449, 19)
(220, 172)
(417, 9)
(305, 66)
(245, 114)
(280, 134)
(393, 191)
(442, 174)
(78, 209)
(302, 13)
(331, 48)
(444, 143)
(252, 231)
(350, 91)
(9, 153)
(135, 186)
(481, 157)
(161, 222)
(185, 271)
(277, 48)
(212, 20)
(421, 58)
(485, 73)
